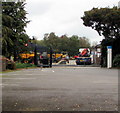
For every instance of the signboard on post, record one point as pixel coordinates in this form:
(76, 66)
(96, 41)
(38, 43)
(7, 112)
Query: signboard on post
(109, 56)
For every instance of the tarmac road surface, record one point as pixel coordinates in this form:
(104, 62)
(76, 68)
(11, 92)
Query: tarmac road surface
(61, 89)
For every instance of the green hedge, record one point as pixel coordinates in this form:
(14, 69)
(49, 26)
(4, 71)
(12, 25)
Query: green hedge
(115, 43)
(24, 65)
(116, 61)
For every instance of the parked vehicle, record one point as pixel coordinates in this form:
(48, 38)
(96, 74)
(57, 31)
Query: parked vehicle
(83, 57)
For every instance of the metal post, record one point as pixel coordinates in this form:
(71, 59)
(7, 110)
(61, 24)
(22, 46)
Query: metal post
(50, 57)
(35, 56)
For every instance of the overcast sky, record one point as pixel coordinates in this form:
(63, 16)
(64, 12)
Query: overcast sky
(62, 17)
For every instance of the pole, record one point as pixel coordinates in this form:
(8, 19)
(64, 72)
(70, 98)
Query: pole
(50, 57)
(35, 56)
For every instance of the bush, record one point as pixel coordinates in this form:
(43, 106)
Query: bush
(2, 63)
(7, 63)
(116, 61)
(24, 65)
(11, 65)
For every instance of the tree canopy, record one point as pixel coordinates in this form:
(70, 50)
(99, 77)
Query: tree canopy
(14, 22)
(106, 21)
(64, 43)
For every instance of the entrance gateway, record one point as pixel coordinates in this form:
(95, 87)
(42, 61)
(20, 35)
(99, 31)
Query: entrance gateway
(47, 57)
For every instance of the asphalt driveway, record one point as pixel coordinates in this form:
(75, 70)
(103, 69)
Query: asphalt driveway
(61, 89)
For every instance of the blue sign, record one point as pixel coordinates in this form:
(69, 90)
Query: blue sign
(109, 47)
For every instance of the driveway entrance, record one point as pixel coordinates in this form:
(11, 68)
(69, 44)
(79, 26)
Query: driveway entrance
(61, 89)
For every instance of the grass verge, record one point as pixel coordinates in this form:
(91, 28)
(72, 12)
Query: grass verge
(20, 66)
(24, 65)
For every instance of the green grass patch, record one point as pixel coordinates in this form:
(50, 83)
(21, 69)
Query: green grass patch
(19, 66)
(24, 65)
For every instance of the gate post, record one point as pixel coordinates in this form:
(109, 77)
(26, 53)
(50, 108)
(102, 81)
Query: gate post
(109, 56)
(50, 56)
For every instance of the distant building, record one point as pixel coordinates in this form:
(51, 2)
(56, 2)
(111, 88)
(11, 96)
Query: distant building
(119, 4)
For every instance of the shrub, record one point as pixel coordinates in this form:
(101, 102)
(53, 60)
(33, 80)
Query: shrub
(6, 63)
(116, 61)
(11, 65)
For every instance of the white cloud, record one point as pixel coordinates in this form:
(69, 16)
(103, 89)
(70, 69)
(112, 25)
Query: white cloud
(62, 17)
